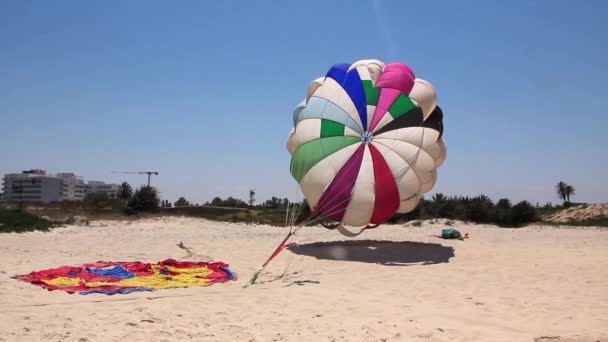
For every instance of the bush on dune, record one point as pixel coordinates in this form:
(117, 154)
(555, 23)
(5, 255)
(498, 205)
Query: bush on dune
(97, 200)
(17, 220)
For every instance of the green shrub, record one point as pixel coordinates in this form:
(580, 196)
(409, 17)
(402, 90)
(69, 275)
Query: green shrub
(522, 213)
(16, 220)
(480, 209)
(181, 202)
(97, 200)
(144, 199)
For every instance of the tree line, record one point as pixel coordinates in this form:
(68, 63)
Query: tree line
(478, 209)
(145, 198)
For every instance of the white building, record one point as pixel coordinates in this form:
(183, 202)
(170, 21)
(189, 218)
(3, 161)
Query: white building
(72, 187)
(97, 186)
(38, 186)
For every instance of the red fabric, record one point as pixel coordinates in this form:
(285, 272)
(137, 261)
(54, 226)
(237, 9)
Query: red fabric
(136, 267)
(216, 266)
(278, 250)
(65, 271)
(38, 277)
(50, 273)
(335, 198)
(387, 193)
(214, 275)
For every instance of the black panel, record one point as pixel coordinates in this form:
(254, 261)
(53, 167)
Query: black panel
(435, 121)
(413, 118)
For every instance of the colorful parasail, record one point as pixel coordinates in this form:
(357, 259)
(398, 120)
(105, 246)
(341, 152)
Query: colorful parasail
(366, 143)
(125, 277)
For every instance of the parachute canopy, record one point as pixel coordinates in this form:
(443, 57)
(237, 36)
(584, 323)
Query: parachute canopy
(109, 277)
(367, 142)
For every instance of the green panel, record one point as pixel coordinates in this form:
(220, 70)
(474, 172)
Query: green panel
(371, 93)
(402, 105)
(330, 128)
(312, 152)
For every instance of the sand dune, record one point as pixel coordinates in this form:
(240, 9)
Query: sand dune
(580, 213)
(391, 284)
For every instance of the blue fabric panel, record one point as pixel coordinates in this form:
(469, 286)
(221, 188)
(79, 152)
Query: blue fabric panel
(338, 72)
(296, 112)
(231, 273)
(115, 272)
(351, 82)
(320, 108)
(354, 88)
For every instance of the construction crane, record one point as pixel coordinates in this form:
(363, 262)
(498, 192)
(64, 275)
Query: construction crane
(149, 173)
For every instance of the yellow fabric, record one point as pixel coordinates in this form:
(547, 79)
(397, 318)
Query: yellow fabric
(202, 271)
(63, 281)
(186, 278)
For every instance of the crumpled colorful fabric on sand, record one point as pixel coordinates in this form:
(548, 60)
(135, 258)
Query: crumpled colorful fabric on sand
(125, 277)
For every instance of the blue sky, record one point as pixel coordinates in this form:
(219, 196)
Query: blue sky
(203, 91)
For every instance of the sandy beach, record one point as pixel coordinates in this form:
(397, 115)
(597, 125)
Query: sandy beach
(394, 283)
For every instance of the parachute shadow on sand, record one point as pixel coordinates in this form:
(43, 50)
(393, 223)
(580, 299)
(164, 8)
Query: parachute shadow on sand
(389, 253)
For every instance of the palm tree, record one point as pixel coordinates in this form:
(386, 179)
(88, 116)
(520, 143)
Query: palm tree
(569, 192)
(251, 197)
(560, 188)
(125, 191)
(485, 199)
(438, 199)
(504, 203)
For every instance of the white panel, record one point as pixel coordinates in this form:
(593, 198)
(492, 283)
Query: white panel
(386, 119)
(332, 91)
(362, 71)
(420, 161)
(374, 71)
(349, 233)
(408, 205)
(405, 177)
(429, 183)
(370, 115)
(419, 136)
(320, 108)
(434, 150)
(374, 68)
(348, 131)
(363, 68)
(307, 130)
(319, 176)
(289, 141)
(425, 96)
(444, 152)
(314, 85)
(361, 206)
(296, 112)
